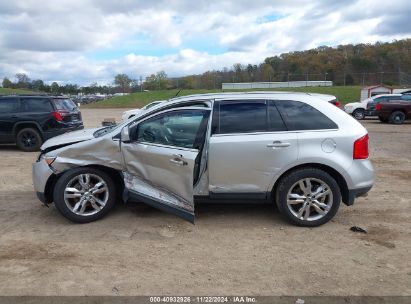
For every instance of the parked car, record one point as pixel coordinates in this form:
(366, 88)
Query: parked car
(292, 149)
(131, 113)
(394, 110)
(28, 121)
(366, 107)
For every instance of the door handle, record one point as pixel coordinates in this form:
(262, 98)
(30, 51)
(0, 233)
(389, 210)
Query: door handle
(178, 162)
(278, 144)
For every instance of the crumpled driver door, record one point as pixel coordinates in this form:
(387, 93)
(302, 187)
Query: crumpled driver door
(161, 157)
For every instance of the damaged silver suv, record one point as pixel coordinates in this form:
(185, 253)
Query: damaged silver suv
(292, 149)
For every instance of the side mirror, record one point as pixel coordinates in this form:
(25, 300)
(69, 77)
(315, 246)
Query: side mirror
(125, 134)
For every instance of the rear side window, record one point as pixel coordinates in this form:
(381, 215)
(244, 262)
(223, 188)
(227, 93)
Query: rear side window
(301, 116)
(64, 104)
(243, 116)
(9, 105)
(35, 105)
(275, 121)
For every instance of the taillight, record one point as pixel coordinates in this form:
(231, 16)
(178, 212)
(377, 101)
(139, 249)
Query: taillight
(57, 116)
(337, 103)
(378, 107)
(361, 148)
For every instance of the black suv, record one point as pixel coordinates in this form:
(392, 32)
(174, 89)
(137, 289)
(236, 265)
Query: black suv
(28, 121)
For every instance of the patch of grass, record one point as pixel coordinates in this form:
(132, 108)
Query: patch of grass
(6, 91)
(138, 100)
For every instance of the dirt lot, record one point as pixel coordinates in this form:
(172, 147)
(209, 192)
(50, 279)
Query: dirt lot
(240, 249)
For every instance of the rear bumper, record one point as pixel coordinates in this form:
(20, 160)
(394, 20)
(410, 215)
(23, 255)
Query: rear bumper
(354, 193)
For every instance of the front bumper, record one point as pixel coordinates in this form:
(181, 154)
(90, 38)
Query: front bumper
(41, 173)
(348, 110)
(370, 113)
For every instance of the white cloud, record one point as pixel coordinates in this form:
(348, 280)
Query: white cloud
(59, 40)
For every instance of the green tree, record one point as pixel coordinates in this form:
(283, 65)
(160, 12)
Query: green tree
(7, 83)
(37, 85)
(55, 88)
(123, 81)
(158, 81)
(23, 81)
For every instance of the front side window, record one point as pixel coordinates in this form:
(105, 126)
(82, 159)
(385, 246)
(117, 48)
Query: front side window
(183, 128)
(9, 105)
(243, 116)
(301, 116)
(35, 105)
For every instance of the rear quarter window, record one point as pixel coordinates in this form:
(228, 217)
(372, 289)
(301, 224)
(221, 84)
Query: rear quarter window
(64, 104)
(301, 116)
(35, 105)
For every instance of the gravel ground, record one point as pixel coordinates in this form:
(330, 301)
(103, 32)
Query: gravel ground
(236, 249)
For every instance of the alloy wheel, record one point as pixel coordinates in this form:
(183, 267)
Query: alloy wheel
(309, 199)
(86, 194)
(28, 139)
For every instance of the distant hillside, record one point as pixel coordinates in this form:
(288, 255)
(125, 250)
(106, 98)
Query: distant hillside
(359, 64)
(5, 91)
(138, 100)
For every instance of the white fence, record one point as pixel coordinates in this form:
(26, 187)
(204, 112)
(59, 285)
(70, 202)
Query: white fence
(273, 85)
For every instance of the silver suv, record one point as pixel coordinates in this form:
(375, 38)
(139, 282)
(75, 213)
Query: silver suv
(292, 149)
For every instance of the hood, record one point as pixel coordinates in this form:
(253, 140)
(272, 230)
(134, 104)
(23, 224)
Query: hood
(354, 104)
(69, 138)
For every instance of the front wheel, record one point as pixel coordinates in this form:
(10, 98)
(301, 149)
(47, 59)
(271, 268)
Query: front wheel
(308, 197)
(359, 114)
(84, 194)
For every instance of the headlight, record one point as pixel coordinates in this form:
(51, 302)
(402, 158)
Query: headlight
(48, 159)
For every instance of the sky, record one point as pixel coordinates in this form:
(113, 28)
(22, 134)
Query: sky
(87, 41)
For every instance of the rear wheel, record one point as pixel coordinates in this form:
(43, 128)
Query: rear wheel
(84, 194)
(397, 117)
(29, 140)
(359, 114)
(308, 197)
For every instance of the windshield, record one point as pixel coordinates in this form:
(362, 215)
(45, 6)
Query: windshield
(64, 104)
(150, 105)
(104, 130)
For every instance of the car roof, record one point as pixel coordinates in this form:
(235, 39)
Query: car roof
(253, 94)
(386, 95)
(31, 96)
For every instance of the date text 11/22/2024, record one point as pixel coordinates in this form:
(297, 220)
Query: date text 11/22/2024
(202, 299)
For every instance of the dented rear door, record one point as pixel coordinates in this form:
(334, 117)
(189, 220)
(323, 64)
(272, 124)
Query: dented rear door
(161, 158)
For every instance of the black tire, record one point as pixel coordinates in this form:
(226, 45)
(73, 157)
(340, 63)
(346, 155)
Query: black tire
(359, 114)
(29, 140)
(288, 182)
(382, 119)
(66, 178)
(397, 117)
